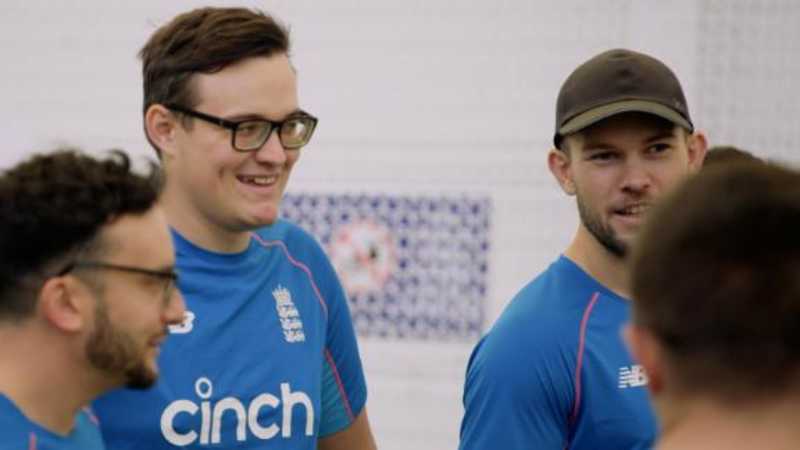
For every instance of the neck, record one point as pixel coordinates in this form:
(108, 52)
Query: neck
(704, 423)
(41, 375)
(607, 268)
(200, 230)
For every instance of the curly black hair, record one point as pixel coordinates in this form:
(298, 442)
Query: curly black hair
(54, 204)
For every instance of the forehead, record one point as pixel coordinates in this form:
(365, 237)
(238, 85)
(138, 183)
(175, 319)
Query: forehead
(140, 239)
(635, 127)
(258, 85)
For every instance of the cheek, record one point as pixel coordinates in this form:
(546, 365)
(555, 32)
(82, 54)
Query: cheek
(590, 203)
(671, 176)
(595, 186)
(291, 159)
(221, 164)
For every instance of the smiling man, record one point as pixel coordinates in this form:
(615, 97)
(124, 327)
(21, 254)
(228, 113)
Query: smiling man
(267, 354)
(553, 372)
(87, 291)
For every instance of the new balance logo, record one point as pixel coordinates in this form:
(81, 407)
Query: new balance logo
(631, 377)
(184, 327)
(289, 315)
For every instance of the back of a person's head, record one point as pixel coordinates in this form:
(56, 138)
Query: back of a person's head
(204, 40)
(716, 279)
(52, 207)
(725, 154)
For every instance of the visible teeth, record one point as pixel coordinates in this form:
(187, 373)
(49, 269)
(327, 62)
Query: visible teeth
(259, 180)
(634, 210)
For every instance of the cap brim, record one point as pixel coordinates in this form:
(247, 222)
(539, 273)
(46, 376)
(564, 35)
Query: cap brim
(595, 115)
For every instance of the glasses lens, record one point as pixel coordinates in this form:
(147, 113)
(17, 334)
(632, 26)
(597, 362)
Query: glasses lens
(297, 131)
(252, 134)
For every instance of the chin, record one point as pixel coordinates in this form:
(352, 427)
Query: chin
(141, 377)
(263, 218)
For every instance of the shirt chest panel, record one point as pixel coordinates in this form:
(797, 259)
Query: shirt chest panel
(615, 407)
(248, 367)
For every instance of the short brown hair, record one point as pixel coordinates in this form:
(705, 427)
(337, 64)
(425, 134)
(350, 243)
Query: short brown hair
(723, 154)
(716, 278)
(204, 40)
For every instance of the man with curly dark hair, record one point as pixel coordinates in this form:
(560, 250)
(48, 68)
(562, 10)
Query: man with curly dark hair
(87, 292)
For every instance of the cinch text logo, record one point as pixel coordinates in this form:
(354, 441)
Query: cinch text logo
(210, 431)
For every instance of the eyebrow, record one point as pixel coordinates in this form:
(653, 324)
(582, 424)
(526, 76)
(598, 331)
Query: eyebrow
(252, 116)
(589, 145)
(661, 135)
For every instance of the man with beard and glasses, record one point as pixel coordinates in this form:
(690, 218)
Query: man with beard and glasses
(87, 292)
(267, 356)
(553, 372)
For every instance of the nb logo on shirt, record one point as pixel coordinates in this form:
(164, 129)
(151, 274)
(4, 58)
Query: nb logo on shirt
(210, 430)
(184, 327)
(631, 377)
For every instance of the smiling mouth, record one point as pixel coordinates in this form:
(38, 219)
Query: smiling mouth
(635, 210)
(258, 180)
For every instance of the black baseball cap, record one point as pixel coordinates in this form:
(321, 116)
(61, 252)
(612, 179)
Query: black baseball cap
(615, 82)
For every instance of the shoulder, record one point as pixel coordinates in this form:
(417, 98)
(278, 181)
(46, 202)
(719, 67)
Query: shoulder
(289, 232)
(298, 244)
(303, 252)
(539, 330)
(14, 427)
(546, 310)
(87, 430)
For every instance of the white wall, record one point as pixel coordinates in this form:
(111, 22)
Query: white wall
(411, 96)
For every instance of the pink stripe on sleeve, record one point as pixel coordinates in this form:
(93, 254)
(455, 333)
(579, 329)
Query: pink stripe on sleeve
(91, 415)
(297, 264)
(581, 344)
(345, 400)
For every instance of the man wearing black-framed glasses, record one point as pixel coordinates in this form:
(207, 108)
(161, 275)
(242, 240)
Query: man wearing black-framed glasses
(251, 134)
(169, 277)
(269, 338)
(87, 293)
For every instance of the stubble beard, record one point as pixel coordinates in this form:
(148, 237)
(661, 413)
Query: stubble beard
(604, 234)
(114, 351)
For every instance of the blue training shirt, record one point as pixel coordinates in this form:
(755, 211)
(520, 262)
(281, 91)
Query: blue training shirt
(17, 432)
(553, 372)
(266, 358)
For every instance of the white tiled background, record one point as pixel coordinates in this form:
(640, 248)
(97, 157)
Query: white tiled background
(421, 96)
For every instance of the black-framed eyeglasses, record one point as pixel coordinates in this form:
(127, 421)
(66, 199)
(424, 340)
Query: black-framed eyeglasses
(248, 135)
(170, 277)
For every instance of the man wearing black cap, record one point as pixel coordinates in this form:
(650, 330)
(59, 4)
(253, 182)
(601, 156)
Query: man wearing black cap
(553, 373)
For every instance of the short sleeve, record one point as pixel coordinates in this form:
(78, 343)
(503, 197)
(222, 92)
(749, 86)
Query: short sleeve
(344, 389)
(518, 393)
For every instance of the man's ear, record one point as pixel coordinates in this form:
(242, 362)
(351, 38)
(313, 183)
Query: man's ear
(161, 124)
(62, 303)
(560, 166)
(646, 350)
(697, 145)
